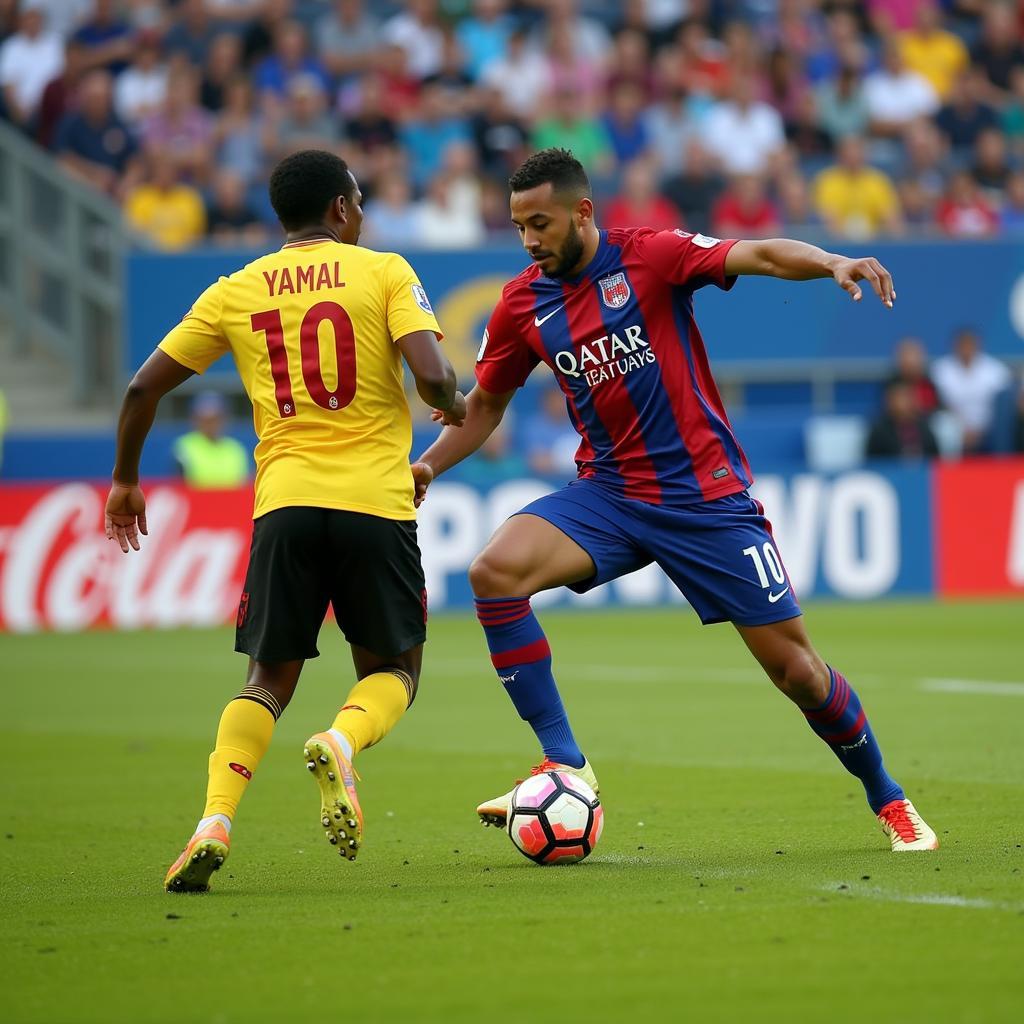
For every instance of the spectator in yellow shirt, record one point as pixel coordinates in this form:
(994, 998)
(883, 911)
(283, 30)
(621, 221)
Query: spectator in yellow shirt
(932, 51)
(168, 212)
(854, 199)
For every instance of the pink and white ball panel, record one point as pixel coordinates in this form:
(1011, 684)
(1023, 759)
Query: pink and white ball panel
(568, 817)
(534, 791)
(566, 854)
(555, 818)
(575, 783)
(528, 834)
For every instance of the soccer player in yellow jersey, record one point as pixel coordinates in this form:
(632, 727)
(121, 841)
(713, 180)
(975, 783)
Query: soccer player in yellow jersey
(318, 331)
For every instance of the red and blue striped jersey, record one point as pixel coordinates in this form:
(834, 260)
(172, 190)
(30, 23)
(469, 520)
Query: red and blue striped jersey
(625, 349)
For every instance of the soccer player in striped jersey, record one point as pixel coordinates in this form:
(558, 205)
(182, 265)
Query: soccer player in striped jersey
(662, 477)
(318, 331)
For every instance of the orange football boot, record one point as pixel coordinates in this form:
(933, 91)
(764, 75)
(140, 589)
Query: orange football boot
(204, 853)
(340, 813)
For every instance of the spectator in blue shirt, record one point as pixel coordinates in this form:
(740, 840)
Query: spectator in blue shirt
(1011, 216)
(428, 135)
(192, 32)
(484, 35)
(496, 461)
(106, 37)
(625, 124)
(92, 142)
(392, 218)
(289, 58)
(549, 441)
(347, 38)
(966, 114)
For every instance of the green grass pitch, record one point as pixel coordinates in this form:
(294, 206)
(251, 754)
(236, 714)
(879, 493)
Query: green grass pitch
(741, 876)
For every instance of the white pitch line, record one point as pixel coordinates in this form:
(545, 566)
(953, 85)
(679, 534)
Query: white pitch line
(610, 673)
(606, 673)
(980, 686)
(929, 899)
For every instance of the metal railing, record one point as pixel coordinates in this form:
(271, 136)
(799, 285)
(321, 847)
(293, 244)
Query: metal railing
(62, 249)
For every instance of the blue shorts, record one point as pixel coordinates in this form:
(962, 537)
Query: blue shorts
(720, 554)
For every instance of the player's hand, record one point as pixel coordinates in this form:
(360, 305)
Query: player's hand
(454, 416)
(125, 515)
(848, 272)
(422, 475)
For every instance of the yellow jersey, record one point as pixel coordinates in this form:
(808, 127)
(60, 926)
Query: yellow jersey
(173, 218)
(939, 56)
(312, 328)
(857, 203)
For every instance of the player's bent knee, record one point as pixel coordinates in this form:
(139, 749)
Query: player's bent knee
(490, 576)
(278, 678)
(803, 677)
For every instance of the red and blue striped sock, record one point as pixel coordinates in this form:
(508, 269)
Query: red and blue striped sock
(842, 724)
(522, 658)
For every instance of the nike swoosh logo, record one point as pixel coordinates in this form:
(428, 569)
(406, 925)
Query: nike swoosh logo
(540, 320)
(772, 598)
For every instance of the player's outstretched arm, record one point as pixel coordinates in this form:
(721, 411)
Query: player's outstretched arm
(435, 376)
(484, 411)
(791, 260)
(125, 515)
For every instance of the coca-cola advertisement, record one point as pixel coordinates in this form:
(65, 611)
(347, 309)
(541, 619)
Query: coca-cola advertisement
(859, 535)
(58, 570)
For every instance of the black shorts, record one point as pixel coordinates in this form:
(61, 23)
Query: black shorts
(304, 559)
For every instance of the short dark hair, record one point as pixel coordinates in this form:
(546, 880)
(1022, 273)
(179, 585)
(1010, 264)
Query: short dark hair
(554, 165)
(305, 183)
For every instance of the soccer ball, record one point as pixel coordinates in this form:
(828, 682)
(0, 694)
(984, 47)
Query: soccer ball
(555, 818)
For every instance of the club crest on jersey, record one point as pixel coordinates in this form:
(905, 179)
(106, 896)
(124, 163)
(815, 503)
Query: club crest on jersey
(615, 291)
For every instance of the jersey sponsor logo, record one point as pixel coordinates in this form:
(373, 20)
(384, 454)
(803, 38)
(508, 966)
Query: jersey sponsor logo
(607, 357)
(241, 769)
(422, 301)
(243, 609)
(705, 241)
(615, 290)
(681, 233)
(772, 598)
(483, 346)
(720, 473)
(539, 321)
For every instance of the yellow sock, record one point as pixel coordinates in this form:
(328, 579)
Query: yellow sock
(373, 707)
(242, 739)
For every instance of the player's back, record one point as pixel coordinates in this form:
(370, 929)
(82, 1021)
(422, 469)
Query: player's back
(312, 330)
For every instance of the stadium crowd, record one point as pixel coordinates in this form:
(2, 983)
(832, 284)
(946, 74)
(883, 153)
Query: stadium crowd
(738, 117)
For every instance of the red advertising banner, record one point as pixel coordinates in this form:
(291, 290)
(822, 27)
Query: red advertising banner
(58, 570)
(979, 508)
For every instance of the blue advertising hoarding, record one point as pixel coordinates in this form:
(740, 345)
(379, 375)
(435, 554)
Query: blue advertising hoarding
(981, 284)
(859, 535)
(862, 535)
